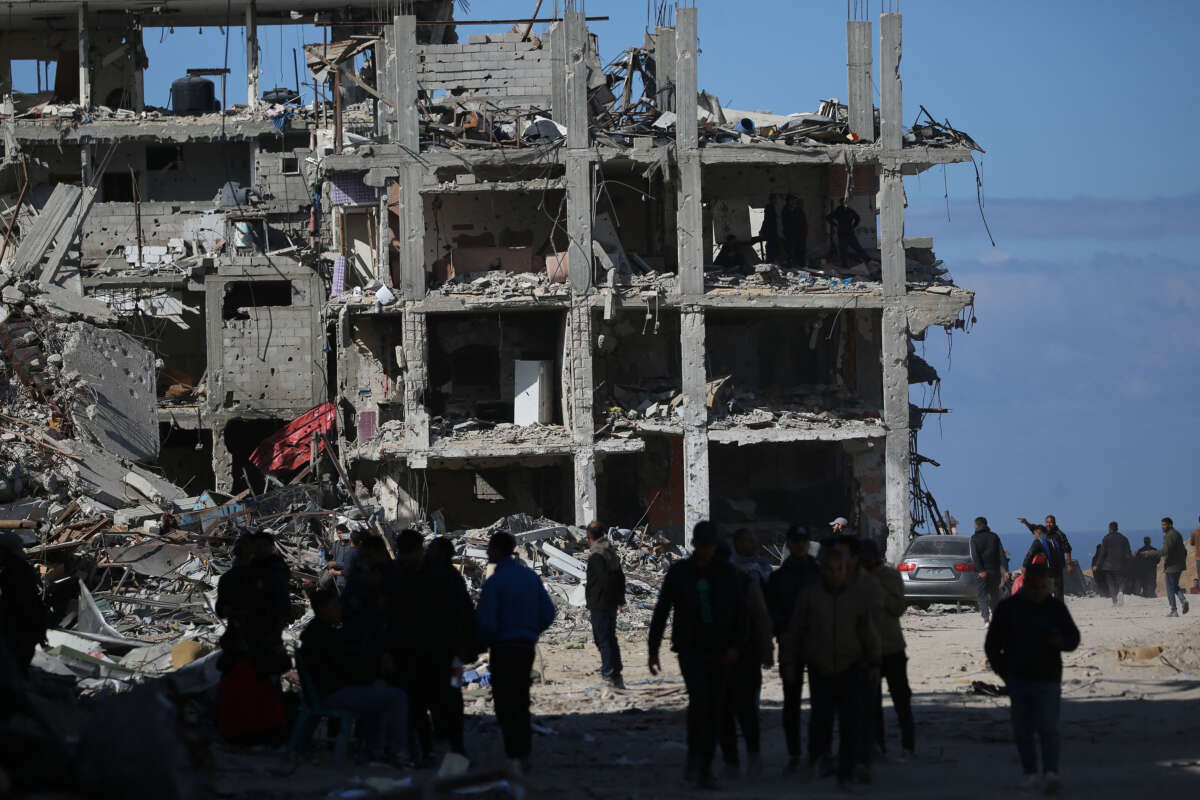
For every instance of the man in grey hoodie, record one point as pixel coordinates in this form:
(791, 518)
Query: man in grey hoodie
(605, 597)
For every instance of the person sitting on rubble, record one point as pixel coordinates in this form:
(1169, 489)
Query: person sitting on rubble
(845, 222)
(703, 598)
(605, 589)
(795, 232)
(746, 557)
(514, 610)
(448, 636)
(740, 707)
(22, 612)
(343, 675)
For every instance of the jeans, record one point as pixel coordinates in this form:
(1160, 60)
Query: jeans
(386, 708)
(510, 666)
(1172, 581)
(837, 696)
(894, 669)
(741, 709)
(987, 595)
(792, 691)
(604, 633)
(706, 679)
(1035, 711)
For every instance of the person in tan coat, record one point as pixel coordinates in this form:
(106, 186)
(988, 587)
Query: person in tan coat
(894, 661)
(832, 631)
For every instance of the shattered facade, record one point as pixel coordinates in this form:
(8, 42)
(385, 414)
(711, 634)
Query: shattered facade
(526, 281)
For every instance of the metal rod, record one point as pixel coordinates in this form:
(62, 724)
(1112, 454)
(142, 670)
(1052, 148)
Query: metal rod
(431, 22)
(16, 209)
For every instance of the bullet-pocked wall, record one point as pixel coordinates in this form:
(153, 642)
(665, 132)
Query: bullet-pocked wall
(818, 359)
(772, 485)
(472, 361)
(174, 332)
(371, 377)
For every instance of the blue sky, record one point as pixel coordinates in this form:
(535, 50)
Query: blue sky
(1075, 392)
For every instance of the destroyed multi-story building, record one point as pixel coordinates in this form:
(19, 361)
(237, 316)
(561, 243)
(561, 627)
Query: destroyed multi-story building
(523, 280)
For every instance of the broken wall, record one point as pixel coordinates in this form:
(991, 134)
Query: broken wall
(734, 196)
(482, 230)
(498, 67)
(370, 379)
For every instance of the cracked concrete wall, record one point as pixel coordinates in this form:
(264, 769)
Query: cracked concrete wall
(695, 419)
(416, 380)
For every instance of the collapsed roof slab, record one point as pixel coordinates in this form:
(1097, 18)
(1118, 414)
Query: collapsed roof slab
(840, 431)
(178, 130)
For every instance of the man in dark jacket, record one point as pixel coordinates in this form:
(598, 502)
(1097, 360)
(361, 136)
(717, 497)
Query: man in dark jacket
(988, 554)
(1146, 569)
(795, 232)
(1112, 562)
(1051, 555)
(1028, 634)
(605, 597)
(894, 659)
(784, 586)
(1174, 555)
(707, 633)
(1057, 542)
(845, 220)
(337, 670)
(514, 609)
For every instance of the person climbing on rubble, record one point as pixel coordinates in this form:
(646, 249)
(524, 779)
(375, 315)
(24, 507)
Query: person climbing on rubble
(23, 615)
(757, 651)
(346, 677)
(1112, 563)
(797, 571)
(987, 554)
(1174, 558)
(845, 222)
(448, 641)
(1024, 645)
(514, 610)
(747, 559)
(605, 592)
(1146, 568)
(795, 232)
(893, 661)
(702, 598)
(832, 632)
(1058, 541)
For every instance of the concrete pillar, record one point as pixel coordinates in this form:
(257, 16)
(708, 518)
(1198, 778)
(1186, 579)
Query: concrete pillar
(251, 55)
(586, 496)
(858, 64)
(85, 74)
(408, 130)
(576, 81)
(695, 419)
(898, 488)
(139, 74)
(416, 380)
(578, 156)
(891, 106)
(664, 60)
(689, 219)
(85, 164)
(222, 460)
(411, 212)
(891, 227)
(579, 371)
(558, 72)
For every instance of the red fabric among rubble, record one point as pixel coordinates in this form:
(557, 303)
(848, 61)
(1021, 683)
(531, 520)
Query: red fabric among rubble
(288, 448)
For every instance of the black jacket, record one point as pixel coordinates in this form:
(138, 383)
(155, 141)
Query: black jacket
(1026, 639)
(605, 579)
(448, 619)
(330, 658)
(709, 619)
(988, 553)
(1055, 557)
(1114, 555)
(784, 586)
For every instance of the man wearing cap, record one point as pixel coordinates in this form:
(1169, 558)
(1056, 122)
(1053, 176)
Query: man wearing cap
(708, 631)
(22, 613)
(797, 571)
(839, 527)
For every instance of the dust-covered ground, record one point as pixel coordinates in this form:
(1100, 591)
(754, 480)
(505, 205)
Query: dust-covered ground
(1130, 729)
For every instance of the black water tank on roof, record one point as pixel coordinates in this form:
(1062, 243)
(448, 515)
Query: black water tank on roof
(193, 95)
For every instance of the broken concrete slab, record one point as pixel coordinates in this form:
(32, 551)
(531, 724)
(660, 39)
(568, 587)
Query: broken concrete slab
(120, 372)
(101, 477)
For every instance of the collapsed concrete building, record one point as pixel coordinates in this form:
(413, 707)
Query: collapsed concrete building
(523, 281)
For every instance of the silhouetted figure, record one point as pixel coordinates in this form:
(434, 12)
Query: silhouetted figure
(845, 220)
(22, 612)
(987, 554)
(797, 571)
(795, 232)
(605, 597)
(894, 660)
(1112, 563)
(1146, 568)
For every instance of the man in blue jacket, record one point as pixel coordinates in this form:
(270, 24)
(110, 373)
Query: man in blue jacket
(514, 609)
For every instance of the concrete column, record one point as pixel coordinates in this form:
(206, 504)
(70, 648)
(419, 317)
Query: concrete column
(85, 74)
(695, 419)
(251, 55)
(5, 76)
(85, 164)
(558, 72)
(139, 74)
(586, 496)
(891, 227)
(689, 219)
(214, 298)
(664, 60)
(579, 370)
(891, 106)
(416, 380)
(858, 64)
(576, 81)
(686, 79)
(408, 130)
(222, 460)
(411, 211)
(581, 261)
(895, 416)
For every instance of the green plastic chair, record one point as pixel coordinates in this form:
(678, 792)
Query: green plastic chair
(313, 711)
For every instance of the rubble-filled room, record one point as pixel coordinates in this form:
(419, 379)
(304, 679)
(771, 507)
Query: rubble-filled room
(634, 223)
(171, 324)
(645, 487)
(371, 377)
(475, 493)
(822, 365)
(636, 364)
(490, 372)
